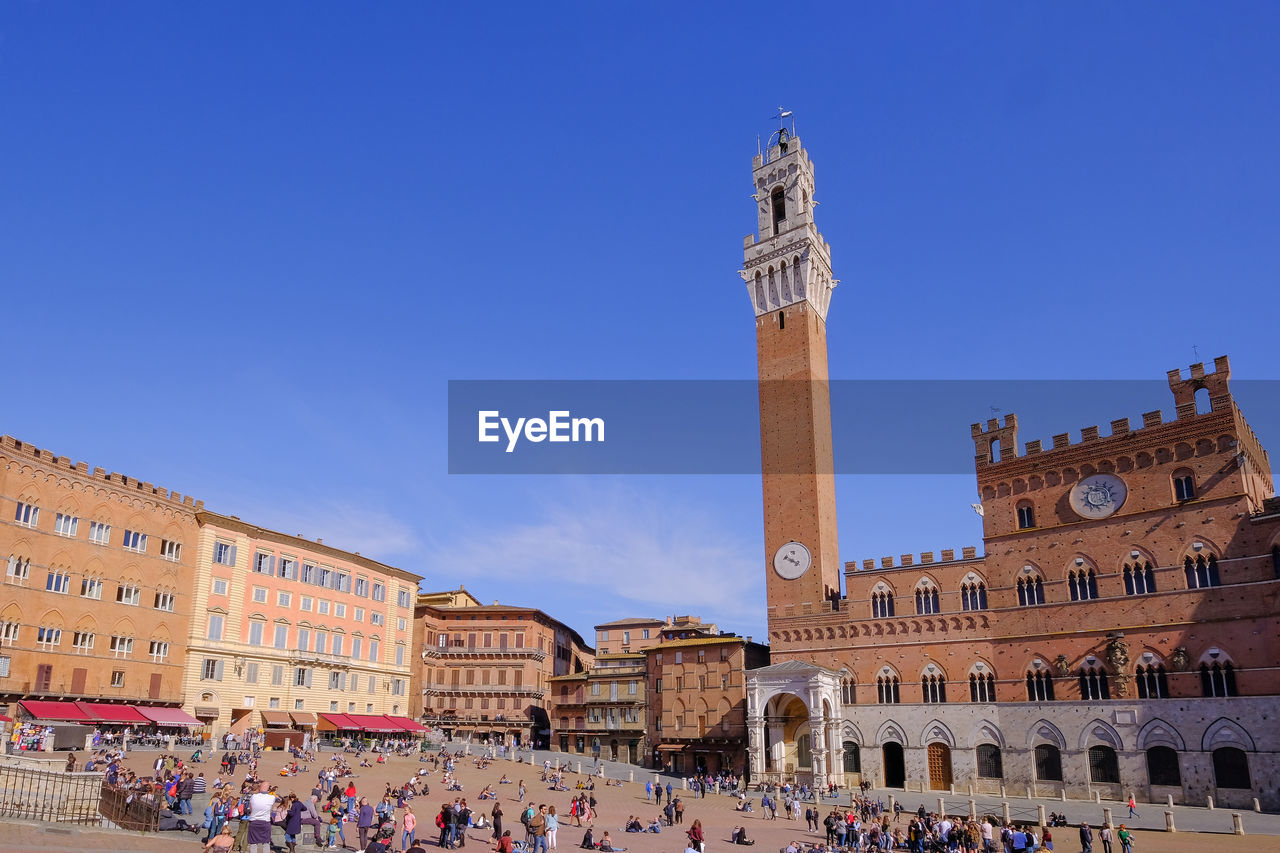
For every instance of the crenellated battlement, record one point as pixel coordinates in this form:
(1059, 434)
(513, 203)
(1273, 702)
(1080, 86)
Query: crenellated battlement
(903, 561)
(1005, 437)
(995, 443)
(18, 447)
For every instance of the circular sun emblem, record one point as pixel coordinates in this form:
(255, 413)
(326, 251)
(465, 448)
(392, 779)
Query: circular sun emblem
(1098, 496)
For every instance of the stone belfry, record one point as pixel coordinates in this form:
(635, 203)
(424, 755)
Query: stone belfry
(787, 269)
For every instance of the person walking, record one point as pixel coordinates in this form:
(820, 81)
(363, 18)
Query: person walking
(1126, 840)
(1104, 835)
(1086, 838)
(679, 804)
(410, 828)
(695, 836)
(520, 799)
(364, 820)
(668, 792)
(1133, 807)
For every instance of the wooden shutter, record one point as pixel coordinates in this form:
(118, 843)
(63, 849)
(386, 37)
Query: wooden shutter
(78, 676)
(153, 692)
(44, 675)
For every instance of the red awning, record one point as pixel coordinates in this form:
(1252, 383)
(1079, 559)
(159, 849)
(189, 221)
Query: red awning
(5, 719)
(336, 722)
(113, 713)
(407, 724)
(168, 716)
(372, 723)
(55, 711)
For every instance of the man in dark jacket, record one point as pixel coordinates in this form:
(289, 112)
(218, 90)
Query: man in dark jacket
(1086, 838)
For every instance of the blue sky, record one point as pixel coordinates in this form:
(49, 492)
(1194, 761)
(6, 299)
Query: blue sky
(244, 246)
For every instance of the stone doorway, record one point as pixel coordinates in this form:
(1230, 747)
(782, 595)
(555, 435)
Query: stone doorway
(895, 768)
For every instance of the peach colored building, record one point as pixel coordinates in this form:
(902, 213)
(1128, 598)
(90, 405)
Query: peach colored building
(285, 628)
(485, 669)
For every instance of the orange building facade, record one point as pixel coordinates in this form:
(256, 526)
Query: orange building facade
(1119, 632)
(484, 670)
(96, 599)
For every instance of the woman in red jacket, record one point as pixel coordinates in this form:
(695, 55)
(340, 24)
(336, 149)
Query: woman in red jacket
(695, 835)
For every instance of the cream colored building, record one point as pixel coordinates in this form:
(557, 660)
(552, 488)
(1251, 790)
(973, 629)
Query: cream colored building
(284, 629)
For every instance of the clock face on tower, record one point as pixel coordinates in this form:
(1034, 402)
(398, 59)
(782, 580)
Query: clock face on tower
(792, 561)
(1098, 496)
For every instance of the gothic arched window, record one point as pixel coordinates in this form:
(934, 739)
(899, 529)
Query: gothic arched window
(1218, 679)
(887, 690)
(1083, 584)
(846, 691)
(1139, 579)
(982, 687)
(881, 605)
(1039, 686)
(1202, 573)
(973, 596)
(1153, 682)
(926, 600)
(1093, 684)
(1030, 591)
(934, 688)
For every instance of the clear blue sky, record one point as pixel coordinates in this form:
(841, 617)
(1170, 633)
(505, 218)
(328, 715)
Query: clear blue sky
(243, 246)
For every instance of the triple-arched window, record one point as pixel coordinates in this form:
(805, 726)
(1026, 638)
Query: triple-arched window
(1202, 572)
(934, 688)
(887, 692)
(1093, 684)
(881, 605)
(982, 687)
(1039, 686)
(1030, 591)
(1139, 579)
(1153, 682)
(927, 600)
(973, 595)
(1218, 679)
(1083, 584)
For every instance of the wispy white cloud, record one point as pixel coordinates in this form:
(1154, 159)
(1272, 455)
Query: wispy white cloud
(361, 528)
(607, 552)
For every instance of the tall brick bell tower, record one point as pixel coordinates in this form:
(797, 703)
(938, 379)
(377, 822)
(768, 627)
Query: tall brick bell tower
(787, 269)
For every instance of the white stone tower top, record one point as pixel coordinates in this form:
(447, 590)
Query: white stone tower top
(788, 262)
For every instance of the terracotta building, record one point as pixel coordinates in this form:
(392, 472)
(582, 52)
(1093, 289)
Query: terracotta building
(97, 592)
(1119, 632)
(485, 670)
(285, 629)
(697, 701)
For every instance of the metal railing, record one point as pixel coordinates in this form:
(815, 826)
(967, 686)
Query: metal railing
(128, 809)
(49, 796)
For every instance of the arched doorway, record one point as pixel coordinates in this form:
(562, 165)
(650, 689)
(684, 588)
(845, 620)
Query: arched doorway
(613, 750)
(939, 766)
(788, 739)
(895, 767)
